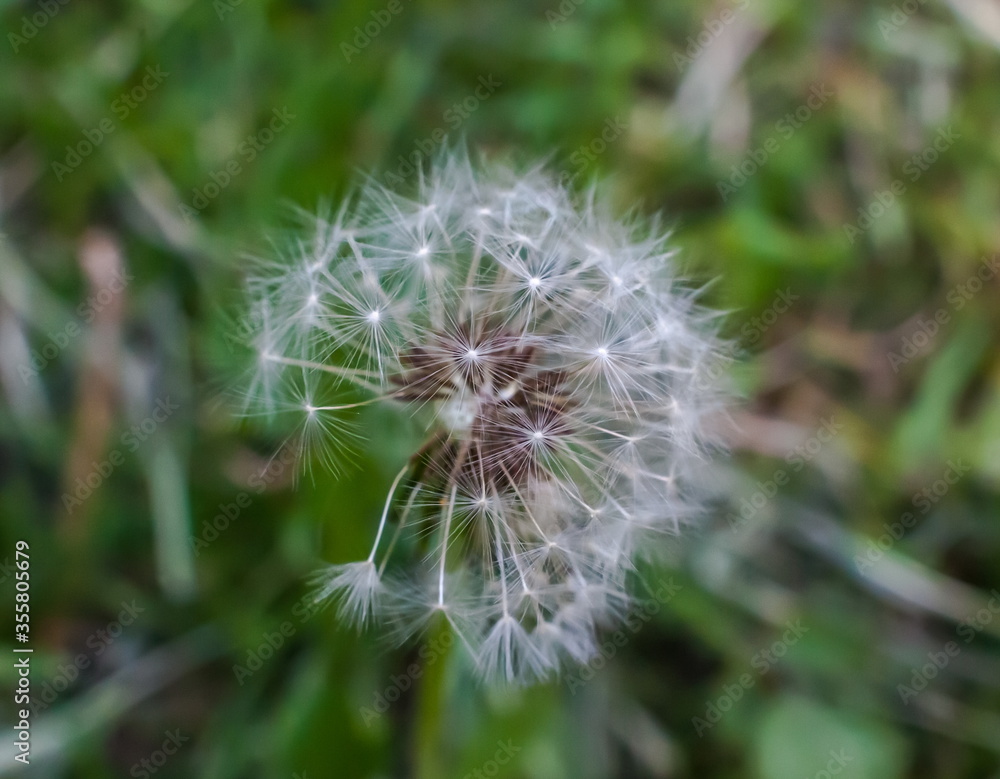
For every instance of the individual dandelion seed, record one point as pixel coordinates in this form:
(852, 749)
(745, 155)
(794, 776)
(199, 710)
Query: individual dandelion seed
(564, 377)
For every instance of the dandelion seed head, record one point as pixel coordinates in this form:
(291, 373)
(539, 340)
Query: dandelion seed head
(562, 375)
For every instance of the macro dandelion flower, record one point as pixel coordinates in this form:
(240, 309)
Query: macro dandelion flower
(564, 378)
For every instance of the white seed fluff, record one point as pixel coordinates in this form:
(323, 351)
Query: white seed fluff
(564, 375)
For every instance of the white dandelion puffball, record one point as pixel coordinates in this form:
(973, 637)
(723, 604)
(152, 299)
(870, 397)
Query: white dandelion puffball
(563, 374)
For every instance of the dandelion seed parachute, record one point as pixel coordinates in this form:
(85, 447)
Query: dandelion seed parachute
(564, 376)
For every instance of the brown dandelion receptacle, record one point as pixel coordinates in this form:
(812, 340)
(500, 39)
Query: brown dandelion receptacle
(563, 375)
(488, 392)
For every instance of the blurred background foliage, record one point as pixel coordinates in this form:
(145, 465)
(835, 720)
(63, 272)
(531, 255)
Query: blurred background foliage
(834, 170)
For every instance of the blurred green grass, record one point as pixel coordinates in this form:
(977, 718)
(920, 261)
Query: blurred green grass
(566, 74)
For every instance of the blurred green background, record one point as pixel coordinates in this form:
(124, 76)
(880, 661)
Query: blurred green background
(833, 169)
